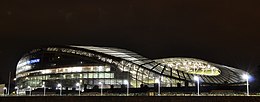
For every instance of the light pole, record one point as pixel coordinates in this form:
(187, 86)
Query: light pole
(101, 86)
(17, 90)
(30, 90)
(44, 88)
(60, 87)
(127, 87)
(9, 82)
(78, 85)
(196, 78)
(246, 77)
(159, 86)
(5, 90)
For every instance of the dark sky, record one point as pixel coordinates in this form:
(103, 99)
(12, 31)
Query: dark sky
(220, 31)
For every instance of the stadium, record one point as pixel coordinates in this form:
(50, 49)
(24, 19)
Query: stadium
(91, 66)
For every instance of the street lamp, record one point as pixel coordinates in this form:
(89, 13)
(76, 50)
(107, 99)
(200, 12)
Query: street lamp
(246, 77)
(17, 90)
(5, 89)
(60, 87)
(159, 86)
(44, 88)
(127, 87)
(78, 85)
(196, 78)
(101, 86)
(30, 90)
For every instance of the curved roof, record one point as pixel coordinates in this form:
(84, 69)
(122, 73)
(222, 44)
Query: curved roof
(191, 65)
(160, 67)
(224, 74)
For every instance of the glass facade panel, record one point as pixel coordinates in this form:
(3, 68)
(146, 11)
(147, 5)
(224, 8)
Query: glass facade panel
(112, 66)
(101, 75)
(91, 75)
(95, 75)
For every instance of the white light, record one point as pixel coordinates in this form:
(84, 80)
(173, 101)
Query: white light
(77, 84)
(76, 69)
(101, 91)
(29, 87)
(245, 76)
(59, 85)
(196, 78)
(100, 83)
(4, 88)
(17, 90)
(125, 82)
(100, 68)
(157, 80)
(159, 86)
(82, 90)
(46, 71)
(43, 84)
(127, 87)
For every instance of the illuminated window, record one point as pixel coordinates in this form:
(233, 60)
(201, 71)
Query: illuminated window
(85, 75)
(100, 68)
(107, 69)
(107, 75)
(107, 82)
(101, 75)
(90, 75)
(95, 75)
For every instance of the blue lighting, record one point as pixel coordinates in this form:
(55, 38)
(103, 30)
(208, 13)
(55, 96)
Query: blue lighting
(28, 62)
(33, 61)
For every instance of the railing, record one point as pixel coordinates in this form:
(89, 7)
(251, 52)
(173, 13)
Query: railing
(140, 94)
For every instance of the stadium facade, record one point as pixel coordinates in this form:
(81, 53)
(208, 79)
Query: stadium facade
(89, 66)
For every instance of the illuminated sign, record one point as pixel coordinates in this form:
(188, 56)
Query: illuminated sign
(28, 62)
(34, 61)
(25, 65)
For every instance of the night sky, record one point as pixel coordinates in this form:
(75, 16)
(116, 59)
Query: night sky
(219, 31)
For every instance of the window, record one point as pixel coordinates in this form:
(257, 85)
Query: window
(101, 75)
(90, 75)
